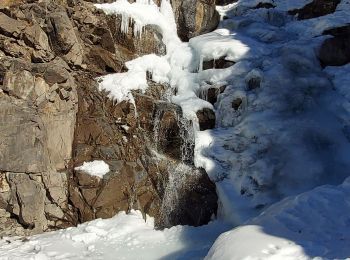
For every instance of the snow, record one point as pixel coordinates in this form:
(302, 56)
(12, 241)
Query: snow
(125, 236)
(290, 134)
(143, 13)
(120, 85)
(218, 44)
(94, 168)
(312, 224)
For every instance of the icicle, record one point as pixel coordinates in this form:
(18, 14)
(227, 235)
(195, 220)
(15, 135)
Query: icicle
(125, 23)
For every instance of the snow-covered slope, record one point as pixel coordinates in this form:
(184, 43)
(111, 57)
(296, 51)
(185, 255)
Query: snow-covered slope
(289, 134)
(312, 224)
(121, 237)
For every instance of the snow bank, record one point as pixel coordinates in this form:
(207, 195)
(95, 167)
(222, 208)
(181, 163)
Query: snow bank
(120, 85)
(125, 236)
(313, 224)
(94, 168)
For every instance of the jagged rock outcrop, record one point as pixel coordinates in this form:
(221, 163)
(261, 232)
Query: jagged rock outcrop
(54, 118)
(38, 106)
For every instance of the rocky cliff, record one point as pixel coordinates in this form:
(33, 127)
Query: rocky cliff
(53, 118)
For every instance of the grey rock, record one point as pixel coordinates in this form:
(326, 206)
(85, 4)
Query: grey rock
(27, 200)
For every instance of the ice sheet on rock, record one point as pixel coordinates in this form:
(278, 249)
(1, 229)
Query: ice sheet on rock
(94, 168)
(120, 85)
(142, 13)
(291, 229)
(181, 61)
(223, 44)
(125, 236)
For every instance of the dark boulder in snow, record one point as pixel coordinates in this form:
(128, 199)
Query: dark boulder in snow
(220, 63)
(316, 8)
(336, 51)
(206, 119)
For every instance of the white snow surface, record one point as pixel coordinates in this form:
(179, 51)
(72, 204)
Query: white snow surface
(125, 236)
(96, 168)
(312, 225)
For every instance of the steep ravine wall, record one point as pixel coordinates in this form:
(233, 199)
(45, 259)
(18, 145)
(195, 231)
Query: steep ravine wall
(53, 118)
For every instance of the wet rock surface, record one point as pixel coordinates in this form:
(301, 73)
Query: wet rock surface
(221, 63)
(53, 118)
(206, 119)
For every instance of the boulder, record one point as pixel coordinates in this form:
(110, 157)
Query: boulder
(206, 119)
(195, 17)
(335, 51)
(315, 9)
(167, 132)
(220, 63)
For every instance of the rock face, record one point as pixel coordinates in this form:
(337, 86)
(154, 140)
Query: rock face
(315, 9)
(53, 119)
(38, 104)
(195, 17)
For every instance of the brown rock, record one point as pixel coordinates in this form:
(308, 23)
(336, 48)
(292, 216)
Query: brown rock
(236, 103)
(65, 38)
(27, 200)
(315, 9)
(167, 135)
(220, 63)
(195, 17)
(10, 26)
(206, 119)
(213, 93)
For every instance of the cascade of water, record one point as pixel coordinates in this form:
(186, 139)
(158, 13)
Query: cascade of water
(182, 132)
(187, 136)
(156, 125)
(171, 202)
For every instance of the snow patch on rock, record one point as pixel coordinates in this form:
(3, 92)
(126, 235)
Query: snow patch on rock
(96, 168)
